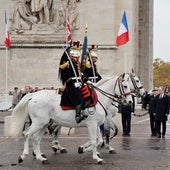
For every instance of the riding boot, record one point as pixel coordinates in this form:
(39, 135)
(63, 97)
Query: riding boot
(79, 116)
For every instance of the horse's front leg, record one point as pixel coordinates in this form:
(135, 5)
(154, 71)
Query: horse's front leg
(108, 145)
(92, 129)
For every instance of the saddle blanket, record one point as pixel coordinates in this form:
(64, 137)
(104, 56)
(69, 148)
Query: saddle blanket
(86, 92)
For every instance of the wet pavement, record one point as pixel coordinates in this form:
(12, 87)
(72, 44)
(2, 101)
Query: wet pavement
(140, 151)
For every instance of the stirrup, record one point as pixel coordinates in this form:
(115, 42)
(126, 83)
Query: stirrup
(79, 118)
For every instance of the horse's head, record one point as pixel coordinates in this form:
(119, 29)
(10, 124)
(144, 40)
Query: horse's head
(122, 89)
(135, 85)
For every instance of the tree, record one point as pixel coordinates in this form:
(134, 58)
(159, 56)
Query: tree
(161, 73)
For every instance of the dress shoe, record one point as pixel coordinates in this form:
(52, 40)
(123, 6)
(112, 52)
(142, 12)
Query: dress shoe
(163, 136)
(153, 135)
(159, 136)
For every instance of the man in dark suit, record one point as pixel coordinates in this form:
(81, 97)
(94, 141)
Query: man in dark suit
(151, 112)
(161, 111)
(126, 113)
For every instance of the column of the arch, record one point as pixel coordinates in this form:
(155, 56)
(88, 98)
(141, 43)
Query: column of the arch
(145, 45)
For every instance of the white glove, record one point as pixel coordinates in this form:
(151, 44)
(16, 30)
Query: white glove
(89, 82)
(132, 113)
(77, 84)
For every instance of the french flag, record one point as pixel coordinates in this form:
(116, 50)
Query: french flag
(123, 34)
(7, 38)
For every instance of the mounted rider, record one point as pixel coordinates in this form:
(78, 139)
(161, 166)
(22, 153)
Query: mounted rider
(90, 69)
(69, 72)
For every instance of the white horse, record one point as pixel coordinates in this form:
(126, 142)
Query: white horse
(137, 88)
(45, 105)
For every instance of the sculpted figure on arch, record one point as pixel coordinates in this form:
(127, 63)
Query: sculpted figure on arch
(21, 16)
(73, 14)
(41, 9)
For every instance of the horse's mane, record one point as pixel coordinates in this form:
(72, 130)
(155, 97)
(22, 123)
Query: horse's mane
(104, 80)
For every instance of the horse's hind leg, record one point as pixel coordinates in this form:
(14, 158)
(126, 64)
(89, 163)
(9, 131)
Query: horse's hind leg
(36, 145)
(27, 134)
(54, 131)
(26, 149)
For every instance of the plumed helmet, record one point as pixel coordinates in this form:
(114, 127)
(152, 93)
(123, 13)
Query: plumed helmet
(75, 50)
(93, 51)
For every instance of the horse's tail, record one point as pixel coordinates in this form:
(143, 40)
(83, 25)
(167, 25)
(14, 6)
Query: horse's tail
(19, 116)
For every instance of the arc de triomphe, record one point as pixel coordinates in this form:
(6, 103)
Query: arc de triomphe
(38, 36)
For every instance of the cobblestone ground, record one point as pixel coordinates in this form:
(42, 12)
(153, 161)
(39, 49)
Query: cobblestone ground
(140, 151)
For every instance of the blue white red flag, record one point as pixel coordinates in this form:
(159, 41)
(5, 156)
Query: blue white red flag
(123, 34)
(68, 30)
(7, 37)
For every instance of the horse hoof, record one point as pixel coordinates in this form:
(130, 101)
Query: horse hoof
(102, 145)
(80, 150)
(99, 155)
(43, 155)
(101, 162)
(45, 162)
(112, 152)
(63, 151)
(34, 155)
(54, 149)
(20, 160)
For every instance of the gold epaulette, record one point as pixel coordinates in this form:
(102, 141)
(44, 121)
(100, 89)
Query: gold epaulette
(63, 66)
(88, 65)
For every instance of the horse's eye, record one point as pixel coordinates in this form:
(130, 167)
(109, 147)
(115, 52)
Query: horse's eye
(137, 81)
(125, 87)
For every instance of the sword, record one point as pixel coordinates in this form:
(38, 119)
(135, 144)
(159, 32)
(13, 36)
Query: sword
(76, 77)
(92, 64)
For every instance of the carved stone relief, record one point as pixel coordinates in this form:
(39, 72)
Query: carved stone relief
(42, 17)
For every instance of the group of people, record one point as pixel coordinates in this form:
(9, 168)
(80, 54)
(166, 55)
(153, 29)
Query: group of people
(159, 105)
(18, 94)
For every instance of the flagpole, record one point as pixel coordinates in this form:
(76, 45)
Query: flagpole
(6, 84)
(124, 53)
(66, 25)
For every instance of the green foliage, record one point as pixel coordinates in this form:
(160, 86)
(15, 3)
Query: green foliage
(161, 73)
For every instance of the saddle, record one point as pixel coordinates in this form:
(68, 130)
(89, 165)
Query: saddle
(90, 98)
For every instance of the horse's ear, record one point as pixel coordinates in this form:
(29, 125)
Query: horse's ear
(123, 75)
(132, 70)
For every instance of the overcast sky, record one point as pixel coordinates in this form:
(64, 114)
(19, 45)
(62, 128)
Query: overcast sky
(162, 30)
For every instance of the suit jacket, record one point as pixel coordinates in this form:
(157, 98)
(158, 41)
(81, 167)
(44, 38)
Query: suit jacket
(151, 104)
(161, 107)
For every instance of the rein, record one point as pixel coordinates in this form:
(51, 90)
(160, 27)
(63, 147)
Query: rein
(140, 115)
(110, 96)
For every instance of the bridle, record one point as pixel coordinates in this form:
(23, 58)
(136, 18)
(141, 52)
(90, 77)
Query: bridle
(115, 97)
(136, 88)
(118, 83)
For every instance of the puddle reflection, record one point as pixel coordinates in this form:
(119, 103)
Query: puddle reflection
(157, 144)
(126, 144)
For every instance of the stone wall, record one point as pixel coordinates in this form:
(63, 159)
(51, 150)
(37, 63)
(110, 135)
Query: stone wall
(36, 64)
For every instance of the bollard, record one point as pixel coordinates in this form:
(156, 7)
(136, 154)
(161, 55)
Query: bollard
(7, 126)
